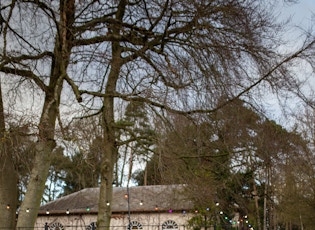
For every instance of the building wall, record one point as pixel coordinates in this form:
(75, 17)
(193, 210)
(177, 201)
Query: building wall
(150, 221)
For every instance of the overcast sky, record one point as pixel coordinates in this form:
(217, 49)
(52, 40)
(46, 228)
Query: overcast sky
(302, 16)
(302, 13)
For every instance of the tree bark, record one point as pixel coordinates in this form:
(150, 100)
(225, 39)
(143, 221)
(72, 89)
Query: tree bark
(257, 206)
(8, 177)
(46, 143)
(43, 150)
(110, 148)
(109, 157)
(31, 203)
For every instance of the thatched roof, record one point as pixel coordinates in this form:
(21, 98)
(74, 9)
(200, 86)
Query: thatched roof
(141, 199)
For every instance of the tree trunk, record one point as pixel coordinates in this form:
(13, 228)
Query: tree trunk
(109, 157)
(31, 203)
(265, 198)
(46, 144)
(43, 150)
(8, 178)
(257, 207)
(8, 189)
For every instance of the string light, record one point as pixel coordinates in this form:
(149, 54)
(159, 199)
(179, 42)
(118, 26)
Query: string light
(156, 208)
(8, 206)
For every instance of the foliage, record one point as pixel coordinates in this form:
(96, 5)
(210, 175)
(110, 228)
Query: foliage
(186, 58)
(137, 137)
(233, 158)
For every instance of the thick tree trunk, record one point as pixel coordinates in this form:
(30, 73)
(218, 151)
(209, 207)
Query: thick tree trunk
(31, 203)
(8, 178)
(109, 157)
(46, 144)
(8, 190)
(43, 150)
(106, 188)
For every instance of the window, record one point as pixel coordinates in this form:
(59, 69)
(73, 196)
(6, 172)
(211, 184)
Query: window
(169, 224)
(56, 226)
(134, 225)
(91, 226)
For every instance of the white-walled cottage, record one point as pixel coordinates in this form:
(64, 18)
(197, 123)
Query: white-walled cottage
(146, 207)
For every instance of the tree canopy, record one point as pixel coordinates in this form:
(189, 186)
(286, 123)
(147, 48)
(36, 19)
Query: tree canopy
(79, 59)
(238, 159)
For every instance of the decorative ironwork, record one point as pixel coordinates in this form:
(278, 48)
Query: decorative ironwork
(56, 226)
(169, 224)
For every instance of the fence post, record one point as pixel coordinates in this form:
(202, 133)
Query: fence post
(93, 226)
(46, 226)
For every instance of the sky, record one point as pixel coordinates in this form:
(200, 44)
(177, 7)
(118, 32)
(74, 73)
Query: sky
(302, 15)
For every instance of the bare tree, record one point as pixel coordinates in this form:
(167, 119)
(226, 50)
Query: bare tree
(24, 54)
(175, 56)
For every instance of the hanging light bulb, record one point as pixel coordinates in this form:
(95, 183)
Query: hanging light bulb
(47, 212)
(67, 212)
(27, 210)
(141, 202)
(156, 208)
(107, 203)
(8, 206)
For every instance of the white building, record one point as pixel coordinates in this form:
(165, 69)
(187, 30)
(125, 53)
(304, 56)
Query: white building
(147, 207)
